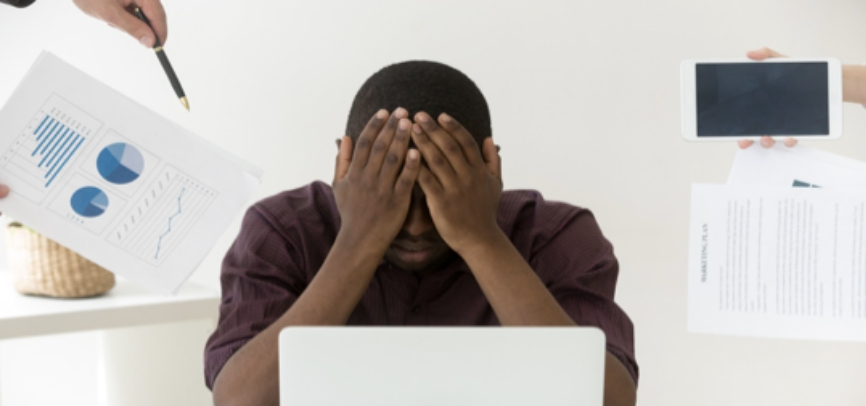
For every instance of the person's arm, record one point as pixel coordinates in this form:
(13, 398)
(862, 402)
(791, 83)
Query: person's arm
(519, 298)
(854, 84)
(373, 188)
(118, 14)
(463, 186)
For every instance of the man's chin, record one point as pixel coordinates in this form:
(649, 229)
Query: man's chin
(408, 266)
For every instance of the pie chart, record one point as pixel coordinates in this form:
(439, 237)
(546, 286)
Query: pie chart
(89, 201)
(120, 163)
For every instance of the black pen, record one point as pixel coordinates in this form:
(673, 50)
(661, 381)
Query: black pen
(163, 59)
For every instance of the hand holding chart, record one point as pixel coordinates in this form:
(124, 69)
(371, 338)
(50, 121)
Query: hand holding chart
(111, 180)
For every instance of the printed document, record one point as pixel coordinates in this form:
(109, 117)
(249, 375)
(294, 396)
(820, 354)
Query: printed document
(113, 181)
(780, 251)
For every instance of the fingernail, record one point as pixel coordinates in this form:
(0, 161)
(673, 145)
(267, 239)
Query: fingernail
(417, 129)
(403, 125)
(422, 117)
(446, 118)
(381, 114)
(401, 112)
(145, 41)
(413, 154)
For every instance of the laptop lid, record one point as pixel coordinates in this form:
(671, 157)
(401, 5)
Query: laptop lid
(386, 366)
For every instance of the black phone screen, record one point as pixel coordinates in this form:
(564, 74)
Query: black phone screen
(748, 99)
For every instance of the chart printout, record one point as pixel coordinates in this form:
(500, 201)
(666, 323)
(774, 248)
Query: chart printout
(784, 262)
(113, 181)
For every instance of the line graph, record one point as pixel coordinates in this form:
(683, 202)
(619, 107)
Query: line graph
(168, 209)
(179, 212)
(49, 143)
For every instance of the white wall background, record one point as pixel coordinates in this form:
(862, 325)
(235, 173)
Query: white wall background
(585, 103)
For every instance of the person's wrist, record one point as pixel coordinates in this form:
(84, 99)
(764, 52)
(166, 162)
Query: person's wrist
(854, 84)
(480, 241)
(357, 243)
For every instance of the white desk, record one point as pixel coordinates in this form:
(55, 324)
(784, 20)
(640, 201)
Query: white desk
(131, 373)
(126, 305)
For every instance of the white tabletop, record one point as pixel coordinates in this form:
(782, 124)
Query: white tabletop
(123, 306)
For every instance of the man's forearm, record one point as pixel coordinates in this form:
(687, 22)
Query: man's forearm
(854, 84)
(519, 298)
(513, 289)
(250, 376)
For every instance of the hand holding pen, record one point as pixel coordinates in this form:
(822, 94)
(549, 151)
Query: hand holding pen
(121, 15)
(145, 21)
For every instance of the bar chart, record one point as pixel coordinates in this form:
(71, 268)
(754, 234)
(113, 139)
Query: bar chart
(49, 145)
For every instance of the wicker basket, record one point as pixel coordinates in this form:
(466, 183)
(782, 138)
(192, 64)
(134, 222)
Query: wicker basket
(43, 267)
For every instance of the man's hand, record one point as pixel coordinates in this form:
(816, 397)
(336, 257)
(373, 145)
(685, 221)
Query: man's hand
(119, 14)
(373, 186)
(766, 141)
(462, 186)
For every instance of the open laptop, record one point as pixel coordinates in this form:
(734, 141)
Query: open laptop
(387, 366)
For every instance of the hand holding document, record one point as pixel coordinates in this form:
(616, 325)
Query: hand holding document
(111, 180)
(780, 251)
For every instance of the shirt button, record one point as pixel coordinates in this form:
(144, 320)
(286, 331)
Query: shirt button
(416, 309)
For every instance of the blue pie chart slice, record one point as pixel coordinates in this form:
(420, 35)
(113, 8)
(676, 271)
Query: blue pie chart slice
(120, 163)
(89, 201)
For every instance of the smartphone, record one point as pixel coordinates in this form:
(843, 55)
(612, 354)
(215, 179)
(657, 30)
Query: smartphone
(745, 99)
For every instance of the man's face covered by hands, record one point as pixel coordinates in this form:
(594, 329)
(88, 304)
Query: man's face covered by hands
(444, 182)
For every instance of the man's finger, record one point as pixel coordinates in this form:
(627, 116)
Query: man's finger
(411, 169)
(463, 137)
(743, 144)
(154, 12)
(4, 190)
(382, 144)
(396, 152)
(365, 140)
(767, 141)
(491, 157)
(790, 142)
(436, 160)
(764, 53)
(429, 184)
(125, 21)
(344, 159)
(444, 141)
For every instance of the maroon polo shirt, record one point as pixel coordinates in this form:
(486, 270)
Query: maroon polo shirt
(285, 238)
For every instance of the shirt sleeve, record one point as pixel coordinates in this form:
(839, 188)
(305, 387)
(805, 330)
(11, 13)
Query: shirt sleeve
(18, 3)
(260, 281)
(578, 266)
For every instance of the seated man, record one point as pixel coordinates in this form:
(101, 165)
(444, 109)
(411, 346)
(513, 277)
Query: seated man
(415, 230)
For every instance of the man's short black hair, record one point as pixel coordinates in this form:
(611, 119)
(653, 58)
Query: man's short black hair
(431, 87)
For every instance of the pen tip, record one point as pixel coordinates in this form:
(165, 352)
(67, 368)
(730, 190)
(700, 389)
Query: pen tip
(185, 103)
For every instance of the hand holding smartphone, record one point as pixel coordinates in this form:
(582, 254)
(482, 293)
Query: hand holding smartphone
(747, 99)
